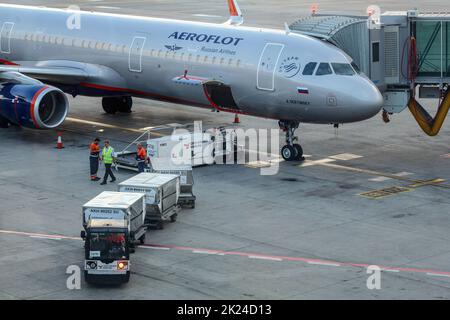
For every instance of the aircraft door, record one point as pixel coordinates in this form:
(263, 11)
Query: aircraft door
(5, 37)
(135, 56)
(267, 66)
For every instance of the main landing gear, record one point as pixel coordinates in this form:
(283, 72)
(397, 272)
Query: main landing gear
(291, 151)
(112, 105)
(4, 123)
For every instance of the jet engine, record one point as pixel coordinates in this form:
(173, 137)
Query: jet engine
(32, 106)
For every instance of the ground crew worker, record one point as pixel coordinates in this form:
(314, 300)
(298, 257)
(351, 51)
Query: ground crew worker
(107, 158)
(141, 157)
(94, 158)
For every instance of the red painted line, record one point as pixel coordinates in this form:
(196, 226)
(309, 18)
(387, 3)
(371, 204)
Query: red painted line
(248, 254)
(32, 234)
(305, 260)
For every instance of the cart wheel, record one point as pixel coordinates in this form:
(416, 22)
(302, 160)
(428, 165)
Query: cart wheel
(174, 218)
(193, 205)
(160, 225)
(142, 239)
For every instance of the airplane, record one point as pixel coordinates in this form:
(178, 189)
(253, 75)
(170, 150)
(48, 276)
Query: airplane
(46, 53)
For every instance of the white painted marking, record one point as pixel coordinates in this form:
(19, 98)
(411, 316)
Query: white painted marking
(403, 174)
(328, 264)
(438, 275)
(346, 156)
(155, 248)
(380, 179)
(44, 237)
(108, 7)
(206, 15)
(258, 164)
(265, 258)
(390, 270)
(309, 163)
(205, 252)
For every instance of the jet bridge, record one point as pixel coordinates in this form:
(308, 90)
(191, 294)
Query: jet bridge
(406, 54)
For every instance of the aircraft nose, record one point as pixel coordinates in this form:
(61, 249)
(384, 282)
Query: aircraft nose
(367, 100)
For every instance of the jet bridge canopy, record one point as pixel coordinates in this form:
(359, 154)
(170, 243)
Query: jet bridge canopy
(350, 33)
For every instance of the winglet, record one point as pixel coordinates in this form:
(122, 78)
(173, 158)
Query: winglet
(236, 17)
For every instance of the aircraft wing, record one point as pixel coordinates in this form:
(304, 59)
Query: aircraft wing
(60, 72)
(28, 74)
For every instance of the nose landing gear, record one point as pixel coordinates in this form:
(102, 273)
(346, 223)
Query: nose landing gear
(291, 151)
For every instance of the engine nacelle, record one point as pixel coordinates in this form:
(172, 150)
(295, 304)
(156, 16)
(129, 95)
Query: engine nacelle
(33, 106)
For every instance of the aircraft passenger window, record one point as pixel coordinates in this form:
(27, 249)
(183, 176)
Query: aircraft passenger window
(238, 64)
(198, 58)
(324, 69)
(206, 59)
(230, 62)
(222, 60)
(309, 69)
(343, 69)
(214, 60)
(190, 57)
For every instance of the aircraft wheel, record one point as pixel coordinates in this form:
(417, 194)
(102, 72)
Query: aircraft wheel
(299, 151)
(289, 153)
(4, 123)
(109, 105)
(125, 104)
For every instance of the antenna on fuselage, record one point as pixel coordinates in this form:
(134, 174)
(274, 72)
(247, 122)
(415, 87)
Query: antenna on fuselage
(236, 17)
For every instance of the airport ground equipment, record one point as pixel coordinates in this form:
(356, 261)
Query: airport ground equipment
(192, 148)
(113, 222)
(196, 149)
(161, 196)
(166, 166)
(405, 53)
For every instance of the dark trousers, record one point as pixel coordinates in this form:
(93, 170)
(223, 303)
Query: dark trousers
(108, 172)
(141, 166)
(94, 166)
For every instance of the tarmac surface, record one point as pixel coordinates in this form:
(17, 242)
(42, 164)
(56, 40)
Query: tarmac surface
(305, 233)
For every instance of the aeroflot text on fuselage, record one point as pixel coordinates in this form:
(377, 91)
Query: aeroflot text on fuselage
(205, 38)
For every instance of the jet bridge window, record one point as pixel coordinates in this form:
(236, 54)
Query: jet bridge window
(343, 69)
(324, 69)
(309, 69)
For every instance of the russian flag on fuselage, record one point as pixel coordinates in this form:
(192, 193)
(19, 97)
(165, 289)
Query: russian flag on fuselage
(302, 90)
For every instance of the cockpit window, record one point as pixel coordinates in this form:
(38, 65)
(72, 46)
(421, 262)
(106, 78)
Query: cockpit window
(324, 69)
(343, 69)
(309, 69)
(355, 66)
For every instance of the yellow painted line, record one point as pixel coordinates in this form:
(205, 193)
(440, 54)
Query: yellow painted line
(383, 193)
(427, 183)
(111, 126)
(436, 182)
